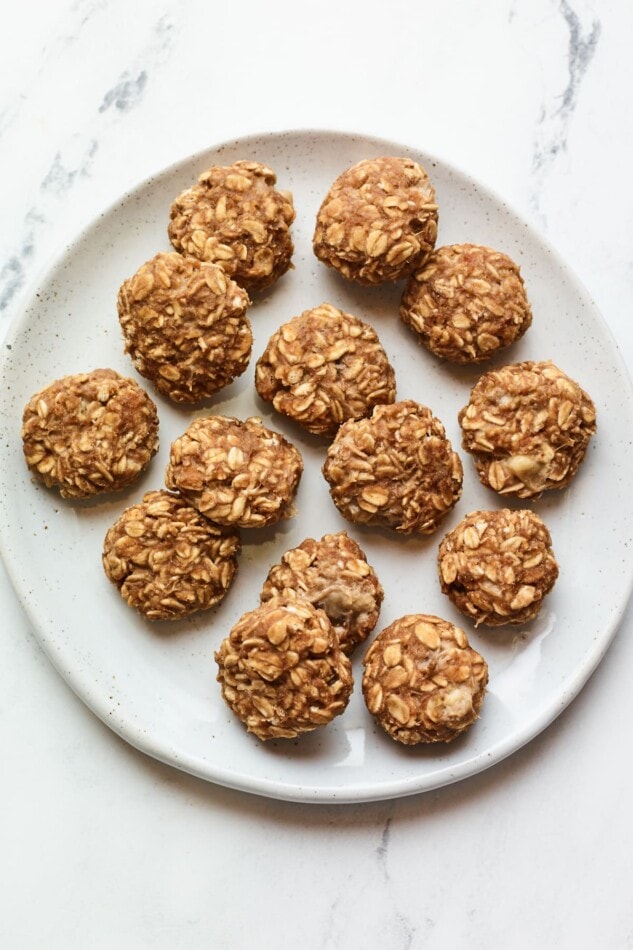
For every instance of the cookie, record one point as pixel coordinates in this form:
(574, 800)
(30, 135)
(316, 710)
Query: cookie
(90, 433)
(235, 472)
(236, 218)
(396, 469)
(166, 560)
(324, 367)
(185, 326)
(378, 221)
(282, 671)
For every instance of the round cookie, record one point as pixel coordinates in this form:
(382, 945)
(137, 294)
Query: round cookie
(166, 560)
(527, 426)
(334, 576)
(282, 670)
(234, 472)
(185, 326)
(466, 302)
(497, 566)
(378, 221)
(422, 681)
(323, 367)
(236, 218)
(395, 469)
(90, 433)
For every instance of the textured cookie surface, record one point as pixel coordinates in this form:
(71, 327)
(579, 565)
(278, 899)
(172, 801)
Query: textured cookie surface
(323, 367)
(234, 472)
(282, 671)
(497, 566)
(527, 426)
(185, 326)
(167, 560)
(422, 681)
(235, 217)
(466, 302)
(378, 221)
(89, 433)
(396, 469)
(334, 576)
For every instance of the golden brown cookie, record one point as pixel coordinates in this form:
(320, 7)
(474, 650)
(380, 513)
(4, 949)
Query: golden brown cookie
(89, 433)
(236, 218)
(167, 560)
(497, 566)
(466, 302)
(527, 426)
(185, 326)
(282, 670)
(334, 576)
(323, 367)
(422, 681)
(396, 469)
(378, 221)
(234, 472)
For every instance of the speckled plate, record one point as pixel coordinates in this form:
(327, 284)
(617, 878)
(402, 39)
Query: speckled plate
(155, 684)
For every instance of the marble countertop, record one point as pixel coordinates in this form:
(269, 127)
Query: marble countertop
(105, 847)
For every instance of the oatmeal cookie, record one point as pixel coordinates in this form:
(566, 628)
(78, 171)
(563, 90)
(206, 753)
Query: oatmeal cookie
(422, 681)
(466, 302)
(236, 218)
(527, 426)
(396, 469)
(185, 326)
(497, 566)
(234, 472)
(334, 576)
(166, 560)
(282, 670)
(378, 221)
(89, 433)
(323, 367)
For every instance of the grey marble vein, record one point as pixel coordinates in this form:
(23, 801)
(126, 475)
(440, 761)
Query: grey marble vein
(580, 53)
(86, 9)
(58, 181)
(555, 115)
(14, 269)
(403, 928)
(128, 90)
(12, 276)
(71, 32)
(382, 851)
(65, 170)
(60, 177)
(126, 93)
(407, 931)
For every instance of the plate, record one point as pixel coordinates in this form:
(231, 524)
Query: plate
(155, 684)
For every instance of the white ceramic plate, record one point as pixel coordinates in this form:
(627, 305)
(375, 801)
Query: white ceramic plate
(155, 684)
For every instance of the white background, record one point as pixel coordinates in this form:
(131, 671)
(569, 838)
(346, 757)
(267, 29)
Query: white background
(101, 846)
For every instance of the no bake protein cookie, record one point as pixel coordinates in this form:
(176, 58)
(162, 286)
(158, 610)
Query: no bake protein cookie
(378, 221)
(185, 326)
(235, 472)
(167, 560)
(235, 217)
(282, 671)
(466, 302)
(527, 426)
(323, 367)
(422, 681)
(395, 469)
(334, 576)
(497, 566)
(89, 433)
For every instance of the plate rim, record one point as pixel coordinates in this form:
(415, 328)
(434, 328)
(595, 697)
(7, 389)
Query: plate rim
(262, 786)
